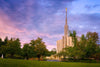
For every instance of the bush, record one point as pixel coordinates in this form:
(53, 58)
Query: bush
(14, 57)
(96, 56)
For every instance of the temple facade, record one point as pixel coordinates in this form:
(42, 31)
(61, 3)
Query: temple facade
(66, 39)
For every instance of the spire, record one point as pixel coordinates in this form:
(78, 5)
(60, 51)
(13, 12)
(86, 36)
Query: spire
(66, 16)
(66, 26)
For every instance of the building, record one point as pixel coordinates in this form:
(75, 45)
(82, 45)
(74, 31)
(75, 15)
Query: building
(66, 39)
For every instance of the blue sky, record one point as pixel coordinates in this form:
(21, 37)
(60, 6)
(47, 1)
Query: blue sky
(29, 19)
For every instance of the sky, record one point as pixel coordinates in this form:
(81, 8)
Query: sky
(29, 19)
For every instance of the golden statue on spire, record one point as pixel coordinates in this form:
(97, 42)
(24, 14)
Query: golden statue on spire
(66, 9)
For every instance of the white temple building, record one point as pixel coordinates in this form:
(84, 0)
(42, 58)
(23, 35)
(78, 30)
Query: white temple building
(66, 39)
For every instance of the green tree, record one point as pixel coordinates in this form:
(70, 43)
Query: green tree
(53, 51)
(91, 46)
(3, 47)
(40, 48)
(78, 51)
(1, 42)
(81, 47)
(97, 54)
(3, 50)
(33, 42)
(82, 42)
(27, 51)
(74, 38)
(5, 40)
(93, 36)
(0, 46)
(13, 47)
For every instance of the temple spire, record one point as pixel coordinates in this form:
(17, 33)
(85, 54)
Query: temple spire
(66, 26)
(66, 16)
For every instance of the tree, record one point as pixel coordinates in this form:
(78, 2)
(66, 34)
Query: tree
(1, 42)
(0, 46)
(3, 47)
(33, 42)
(81, 47)
(91, 46)
(97, 54)
(40, 48)
(13, 47)
(32, 45)
(74, 38)
(53, 51)
(5, 40)
(82, 42)
(3, 50)
(93, 36)
(27, 51)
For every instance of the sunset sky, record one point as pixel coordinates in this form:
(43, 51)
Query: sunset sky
(29, 19)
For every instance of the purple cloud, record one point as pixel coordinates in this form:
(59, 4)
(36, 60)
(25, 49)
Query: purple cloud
(28, 19)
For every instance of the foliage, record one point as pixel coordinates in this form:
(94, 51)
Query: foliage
(13, 47)
(26, 51)
(96, 56)
(93, 36)
(62, 53)
(40, 48)
(36, 48)
(3, 47)
(74, 38)
(52, 52)
(85, 47)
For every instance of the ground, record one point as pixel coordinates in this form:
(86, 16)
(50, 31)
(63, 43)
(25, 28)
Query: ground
(30, 63)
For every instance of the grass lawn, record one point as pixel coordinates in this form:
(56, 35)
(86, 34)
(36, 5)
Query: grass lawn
(30, 63)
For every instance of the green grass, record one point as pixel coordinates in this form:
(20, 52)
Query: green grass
(30, 63)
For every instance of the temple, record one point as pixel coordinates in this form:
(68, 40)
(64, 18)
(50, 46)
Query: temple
(66, 39)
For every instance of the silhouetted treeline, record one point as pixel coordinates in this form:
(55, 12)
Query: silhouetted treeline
(11, 48)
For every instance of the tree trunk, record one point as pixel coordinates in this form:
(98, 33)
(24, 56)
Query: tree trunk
(39, 57)
(12, 55)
